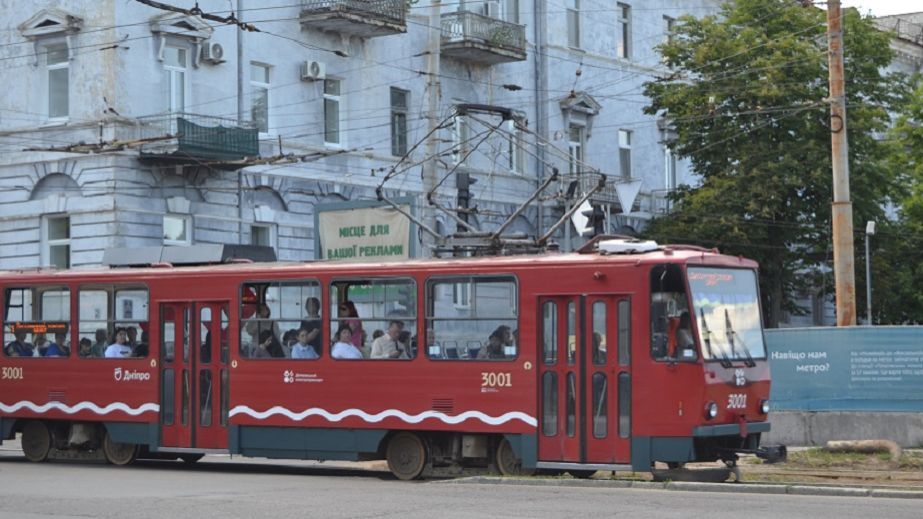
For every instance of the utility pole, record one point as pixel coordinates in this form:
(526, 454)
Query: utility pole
(843, 254)
(433, 88)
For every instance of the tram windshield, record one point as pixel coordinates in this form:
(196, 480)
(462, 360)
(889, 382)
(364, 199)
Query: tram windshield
(727, 313)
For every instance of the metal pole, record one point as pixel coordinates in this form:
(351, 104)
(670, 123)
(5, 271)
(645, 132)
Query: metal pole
(432, 120)
(868, 282)
(843, 255)
(240, 120)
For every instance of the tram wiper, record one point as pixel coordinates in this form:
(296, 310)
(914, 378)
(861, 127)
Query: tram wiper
(706, 335)
(731, 333)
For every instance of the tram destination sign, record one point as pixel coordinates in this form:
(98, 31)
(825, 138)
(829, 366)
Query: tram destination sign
(364, 234)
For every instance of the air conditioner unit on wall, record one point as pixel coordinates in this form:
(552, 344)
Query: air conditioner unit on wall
(213, 53)
(313, 70)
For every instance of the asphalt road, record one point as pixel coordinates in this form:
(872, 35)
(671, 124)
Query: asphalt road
(245, 488)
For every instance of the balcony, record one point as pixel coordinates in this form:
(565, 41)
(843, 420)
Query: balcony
(183, 138)
(474, 37)
(362, 18)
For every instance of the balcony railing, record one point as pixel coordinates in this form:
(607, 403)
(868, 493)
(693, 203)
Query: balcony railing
(475, 37)
(363, 18)
(191, 137)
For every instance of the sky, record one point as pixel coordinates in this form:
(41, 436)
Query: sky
(886, 7)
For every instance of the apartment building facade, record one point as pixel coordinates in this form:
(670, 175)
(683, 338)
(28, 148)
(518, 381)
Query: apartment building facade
(124, 125)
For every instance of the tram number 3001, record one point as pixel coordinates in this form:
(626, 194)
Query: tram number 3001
(11, 374)
(737, 401)
(496, 379)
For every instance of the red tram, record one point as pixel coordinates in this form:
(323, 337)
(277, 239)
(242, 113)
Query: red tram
(563, 362)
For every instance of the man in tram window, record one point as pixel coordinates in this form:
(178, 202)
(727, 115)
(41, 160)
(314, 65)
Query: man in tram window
(102, 342)
(502, 336)
(19, 347)
(119, 349)
(387, 346)
(261, 322)
(132, 336)
(59, 347)
(313, 322)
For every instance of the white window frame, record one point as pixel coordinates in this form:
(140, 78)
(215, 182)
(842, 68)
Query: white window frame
(187, 223)
(265, 86)
(339, 100)
(669, 169)
(461, 295)
(48, 242)
(271, 233)
(625, 137)
(623, 48)
(460, 137)
(669, 23)
(49, 67)
(576, 149)
(171, 72)
(572, 12)
(514, 147)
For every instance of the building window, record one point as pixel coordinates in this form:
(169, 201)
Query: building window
(669, 169)
(575, 148)
(625, 153)
(177, 230)
(262, 234)
(573, 23)
(58, 81)
(459, 139)
(332, 112)
(56, 247)
(514, 146)
(506, 10)
(175, 60)
(669, 24)
(259, 96)
(624, 45)
(399, 121)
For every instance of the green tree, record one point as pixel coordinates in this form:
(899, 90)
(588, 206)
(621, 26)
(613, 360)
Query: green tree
(746, 105)
(897, 272)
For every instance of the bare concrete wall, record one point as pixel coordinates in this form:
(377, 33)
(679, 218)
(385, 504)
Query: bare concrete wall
(805, 428)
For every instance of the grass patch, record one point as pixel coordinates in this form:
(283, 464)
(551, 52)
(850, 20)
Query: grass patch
(819, 458)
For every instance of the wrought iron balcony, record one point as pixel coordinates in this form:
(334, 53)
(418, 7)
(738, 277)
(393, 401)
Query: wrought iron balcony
(475, 37)
(363, 18)
(191, 138)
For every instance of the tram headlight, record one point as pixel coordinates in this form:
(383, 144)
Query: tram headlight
(764, 406)
(711, 410)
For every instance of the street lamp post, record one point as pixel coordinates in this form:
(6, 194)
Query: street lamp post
(869, 231)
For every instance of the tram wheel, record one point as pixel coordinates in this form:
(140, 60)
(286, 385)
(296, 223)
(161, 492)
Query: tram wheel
(406, 455)
(675, 465)
(119, 453)
(36, 441)
(581, 474)
(507, 462)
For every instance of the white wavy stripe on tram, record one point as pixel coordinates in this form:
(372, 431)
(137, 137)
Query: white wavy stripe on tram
(388, 413)
(44, 408)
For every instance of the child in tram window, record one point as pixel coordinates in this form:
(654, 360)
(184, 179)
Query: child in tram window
(85, 348)
(302, 349)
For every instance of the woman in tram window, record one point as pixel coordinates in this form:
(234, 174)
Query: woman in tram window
(344, 348)
(502, 336)
(268, 346)
(261, 321)
(350, 316)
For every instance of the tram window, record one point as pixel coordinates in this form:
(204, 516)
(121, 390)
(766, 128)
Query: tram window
(36, 323)
(571, 333)
(205, 397)
(381, 314)
(276, 316)
(624, 392)
(669, 305)
(550, 403)
(624, 332)
(167, 397)
(485, 329)
(104, 311)
(599, 333)
(550, 332)
(570, 409)
(600, 405)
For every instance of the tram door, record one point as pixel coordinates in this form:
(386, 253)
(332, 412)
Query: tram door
(194, 375)
(585, 379)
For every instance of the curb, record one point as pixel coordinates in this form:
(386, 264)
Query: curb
(686, 486)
